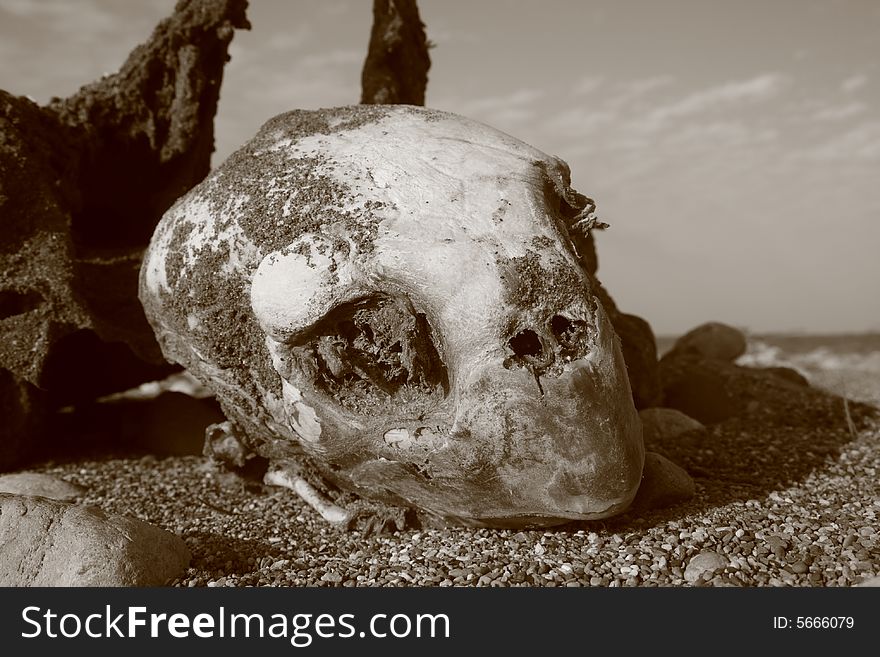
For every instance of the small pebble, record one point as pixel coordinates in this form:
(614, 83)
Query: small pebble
(702, 564)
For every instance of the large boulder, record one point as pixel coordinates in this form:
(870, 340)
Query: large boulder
(83, 182)
(45, 542)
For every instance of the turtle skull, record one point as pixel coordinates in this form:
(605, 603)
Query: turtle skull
(390, 296)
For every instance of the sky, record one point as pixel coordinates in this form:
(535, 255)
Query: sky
(733, 147)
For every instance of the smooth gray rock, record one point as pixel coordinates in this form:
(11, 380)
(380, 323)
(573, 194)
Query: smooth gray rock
(37, 483)
(50, 543)
(666, 423)
(705, 562)
(663, 484)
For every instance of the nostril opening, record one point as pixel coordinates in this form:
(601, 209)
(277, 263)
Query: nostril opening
(559, 325)
(525, 343)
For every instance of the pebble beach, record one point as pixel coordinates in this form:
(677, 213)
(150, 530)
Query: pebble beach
(787, 495)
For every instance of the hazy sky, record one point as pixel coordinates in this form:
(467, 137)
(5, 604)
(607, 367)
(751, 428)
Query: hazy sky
(733, 146)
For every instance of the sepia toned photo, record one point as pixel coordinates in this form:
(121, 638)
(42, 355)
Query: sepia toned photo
(439, 294)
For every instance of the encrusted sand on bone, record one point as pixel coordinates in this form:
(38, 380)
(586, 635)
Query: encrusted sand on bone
(429, 224)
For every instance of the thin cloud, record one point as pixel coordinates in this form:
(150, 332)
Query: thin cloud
(580, 121)
(586, 85)
(853, 83)
(760, 88)
(82, 20)
(255, 90)
(628, 93)
(839, 112)
(334, 8)
(502, 110)
(332, 59)
(717, 134)
(858, 144)
(442, 36)
(617, 105)
(290, 40)
(646, 125)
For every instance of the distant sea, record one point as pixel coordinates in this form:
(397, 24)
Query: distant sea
(847, 364)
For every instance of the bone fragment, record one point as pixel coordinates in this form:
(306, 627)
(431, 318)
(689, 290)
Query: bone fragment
(328, 511)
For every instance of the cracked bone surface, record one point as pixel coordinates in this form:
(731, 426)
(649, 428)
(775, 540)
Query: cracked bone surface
(389, 296)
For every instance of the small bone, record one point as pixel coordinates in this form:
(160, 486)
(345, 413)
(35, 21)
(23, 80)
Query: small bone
(327, 510)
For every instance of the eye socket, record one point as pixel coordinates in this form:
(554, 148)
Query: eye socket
(377, 353)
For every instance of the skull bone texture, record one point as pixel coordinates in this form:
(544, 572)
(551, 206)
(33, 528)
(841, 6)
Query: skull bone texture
(389, 296)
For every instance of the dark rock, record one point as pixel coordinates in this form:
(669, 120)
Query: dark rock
(788, 374)
(695, 373)
(585, 244)
(713, 390)
(171, 424)
(83, 182)
(50, 543)
(712, 340)
(660, 424)
(640, 354)
(663, 484)
(396, 68)
(23, 409)
(697, 387)
(637, 340)
(637, 344)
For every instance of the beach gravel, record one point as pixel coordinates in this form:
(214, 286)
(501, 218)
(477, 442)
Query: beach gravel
(787, 494)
